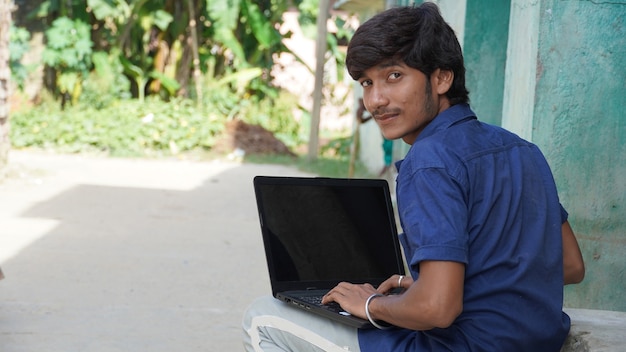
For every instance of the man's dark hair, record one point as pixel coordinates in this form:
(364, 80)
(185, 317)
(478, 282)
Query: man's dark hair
(418, 36)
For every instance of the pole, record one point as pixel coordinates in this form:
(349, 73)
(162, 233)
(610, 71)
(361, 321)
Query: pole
(320, 54)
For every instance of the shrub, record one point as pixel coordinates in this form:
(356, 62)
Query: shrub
(129, 127)
(126, 128)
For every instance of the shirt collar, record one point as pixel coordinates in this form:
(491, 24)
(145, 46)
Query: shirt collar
(445, 119)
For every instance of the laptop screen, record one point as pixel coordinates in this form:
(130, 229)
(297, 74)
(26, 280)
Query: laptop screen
(328, 230)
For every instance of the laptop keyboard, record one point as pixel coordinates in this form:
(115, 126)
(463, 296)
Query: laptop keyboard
(317, 300)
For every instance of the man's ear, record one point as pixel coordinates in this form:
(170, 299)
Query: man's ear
(441, 80)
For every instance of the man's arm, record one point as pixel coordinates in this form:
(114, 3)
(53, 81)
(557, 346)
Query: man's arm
(434, 300)
(573, 264)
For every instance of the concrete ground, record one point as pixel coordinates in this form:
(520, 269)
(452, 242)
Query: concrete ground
(107, 255)
(128, 255)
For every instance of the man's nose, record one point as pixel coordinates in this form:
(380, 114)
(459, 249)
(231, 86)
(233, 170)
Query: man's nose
(378, 99)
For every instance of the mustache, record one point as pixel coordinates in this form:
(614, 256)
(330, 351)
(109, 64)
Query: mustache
(387, 111)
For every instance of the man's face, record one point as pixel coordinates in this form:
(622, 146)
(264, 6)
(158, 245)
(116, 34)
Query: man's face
(400, 99)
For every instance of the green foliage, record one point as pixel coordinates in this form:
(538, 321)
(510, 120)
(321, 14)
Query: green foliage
(153, 127)
(18, 46)
(337, 147)
(307, 17)
(68, 45)
(129, 25)
(225, 16)
(155, 49)
(105, 52)
(109, 9)
(127, 128)
(246, 31)
(47, 9)
(68, 51)
(106, 83)
(277, 115)
(228, 94)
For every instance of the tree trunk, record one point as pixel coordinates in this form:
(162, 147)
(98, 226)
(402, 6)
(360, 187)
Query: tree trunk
(6, 6)
(197, 74)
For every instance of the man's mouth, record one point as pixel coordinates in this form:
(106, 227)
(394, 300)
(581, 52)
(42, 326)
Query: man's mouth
(385, 115)
(382, 118)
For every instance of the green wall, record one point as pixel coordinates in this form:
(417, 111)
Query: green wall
(554, 71)
(484, 48)
(580, 124)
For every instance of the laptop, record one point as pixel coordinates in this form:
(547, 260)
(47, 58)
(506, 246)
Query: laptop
(318, 232)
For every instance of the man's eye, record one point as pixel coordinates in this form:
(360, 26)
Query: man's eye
(394, 75)
(366, 83)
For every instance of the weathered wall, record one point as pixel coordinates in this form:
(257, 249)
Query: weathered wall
(485, 45)
(564, 88)
(580, 125)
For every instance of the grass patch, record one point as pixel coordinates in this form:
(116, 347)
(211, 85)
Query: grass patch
(322, 166)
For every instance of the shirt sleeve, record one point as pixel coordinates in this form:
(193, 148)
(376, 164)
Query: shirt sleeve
(564, 214)
(434, 215)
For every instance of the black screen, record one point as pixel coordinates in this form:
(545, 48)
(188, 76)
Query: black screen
(328, 232)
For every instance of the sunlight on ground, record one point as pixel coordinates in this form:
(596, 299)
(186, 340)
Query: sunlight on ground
(19, 233)
(38, 178)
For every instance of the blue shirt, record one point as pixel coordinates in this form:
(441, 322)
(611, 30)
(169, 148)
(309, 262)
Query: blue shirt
(477, 194)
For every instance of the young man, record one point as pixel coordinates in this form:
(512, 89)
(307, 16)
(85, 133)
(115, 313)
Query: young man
(486, 239)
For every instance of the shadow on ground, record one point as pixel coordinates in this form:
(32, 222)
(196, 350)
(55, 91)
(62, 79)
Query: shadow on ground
(128, 268)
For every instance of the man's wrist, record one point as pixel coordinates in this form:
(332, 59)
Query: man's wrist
(376, 324)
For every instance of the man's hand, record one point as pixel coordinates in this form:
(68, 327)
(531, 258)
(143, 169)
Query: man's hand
(433, 301)
(351, 297)
(393, 283)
